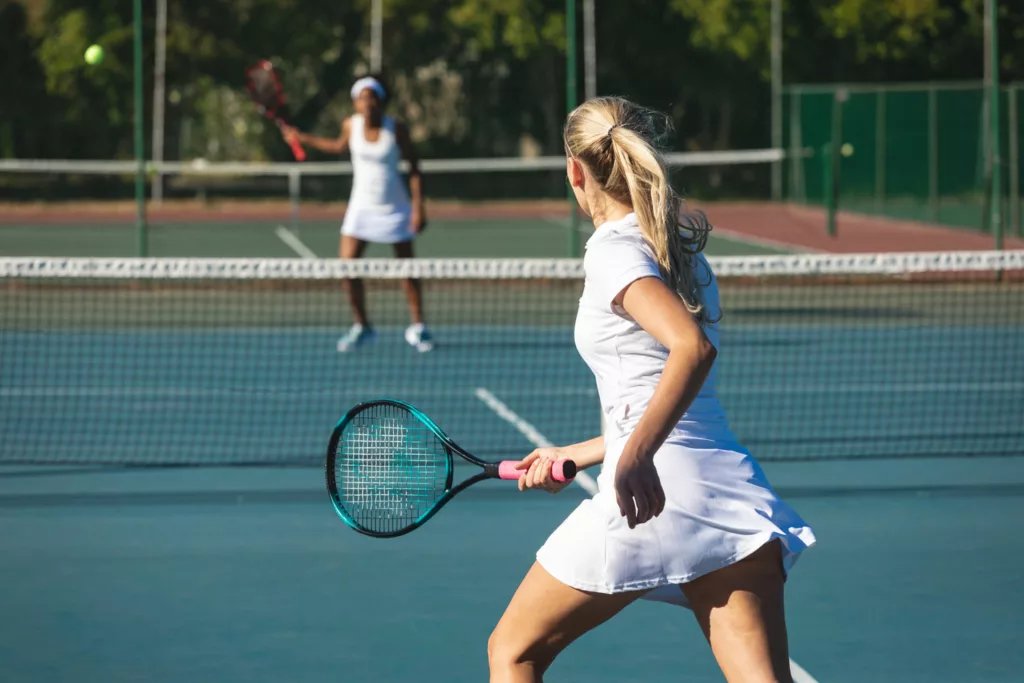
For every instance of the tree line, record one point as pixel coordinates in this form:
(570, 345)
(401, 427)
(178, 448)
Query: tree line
(475, 78)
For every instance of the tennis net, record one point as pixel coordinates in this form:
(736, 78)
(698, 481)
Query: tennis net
(229, 362)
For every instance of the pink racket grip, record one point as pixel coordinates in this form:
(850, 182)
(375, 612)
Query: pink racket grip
(297, 150)
(300, 154)
(561, 470)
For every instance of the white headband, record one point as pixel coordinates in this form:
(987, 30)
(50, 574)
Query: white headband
(368, 83)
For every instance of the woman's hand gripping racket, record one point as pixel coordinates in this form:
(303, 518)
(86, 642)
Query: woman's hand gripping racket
(390, 468)
(267, 92)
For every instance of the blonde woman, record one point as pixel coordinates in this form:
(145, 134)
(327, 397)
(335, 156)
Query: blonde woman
(684, 513)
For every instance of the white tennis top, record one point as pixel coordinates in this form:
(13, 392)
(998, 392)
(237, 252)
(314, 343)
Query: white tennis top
(626, 360)
(378, 209)
(376, 181)
(719, 506)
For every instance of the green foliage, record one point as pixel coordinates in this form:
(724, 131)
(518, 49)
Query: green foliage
(888, 29)
(523, 26)
(737, 27)
(473, 77)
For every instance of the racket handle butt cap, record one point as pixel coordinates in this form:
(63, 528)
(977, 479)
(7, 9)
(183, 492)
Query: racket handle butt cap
(561, 470)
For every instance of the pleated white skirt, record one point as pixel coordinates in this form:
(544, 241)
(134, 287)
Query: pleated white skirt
(380, 224)
(719, 509)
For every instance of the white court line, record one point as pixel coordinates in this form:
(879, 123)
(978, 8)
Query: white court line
(293, 241)
(778, 245)
(530, 432)
(555, 220)
(800, 674)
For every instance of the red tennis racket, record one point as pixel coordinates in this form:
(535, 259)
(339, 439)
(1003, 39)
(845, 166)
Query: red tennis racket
(268, 94)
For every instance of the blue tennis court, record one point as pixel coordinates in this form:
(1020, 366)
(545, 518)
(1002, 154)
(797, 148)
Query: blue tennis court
(246, 575)
(889, 415)
(788, 397)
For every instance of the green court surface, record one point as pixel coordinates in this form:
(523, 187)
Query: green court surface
(246, 575)
(968, 212)
(519, 238)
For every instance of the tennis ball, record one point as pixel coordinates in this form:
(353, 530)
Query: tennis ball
(846, 150)
(94, 54)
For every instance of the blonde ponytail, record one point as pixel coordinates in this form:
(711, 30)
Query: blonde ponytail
(618, 142)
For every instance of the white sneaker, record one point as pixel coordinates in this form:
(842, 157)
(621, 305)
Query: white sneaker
(356, 336)
(419, 337)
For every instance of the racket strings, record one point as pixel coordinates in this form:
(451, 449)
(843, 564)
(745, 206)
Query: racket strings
(390, 469)
(265, 87)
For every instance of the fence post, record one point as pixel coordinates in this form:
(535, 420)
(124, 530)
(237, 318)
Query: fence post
(832, 157)
(141, 227)
(776, 68)
(995, 141)
(933, 155)
(881, 143)
(797, 191)
(570, 104)
(985, 159)
(294, 196)
(1014, 123)
(827, 185)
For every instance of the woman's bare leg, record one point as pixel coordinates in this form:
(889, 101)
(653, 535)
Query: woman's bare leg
(543, 617)
(741, 610)
(353, 248)
(413, 291)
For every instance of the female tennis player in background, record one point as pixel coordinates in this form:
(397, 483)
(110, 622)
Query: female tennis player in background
(684, 514)
(379, 209)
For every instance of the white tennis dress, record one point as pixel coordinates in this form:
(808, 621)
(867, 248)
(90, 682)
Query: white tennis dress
(719, 505)
(378, 209)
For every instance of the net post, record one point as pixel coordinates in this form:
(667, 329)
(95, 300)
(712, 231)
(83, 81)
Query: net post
(933, 154)
(140, 153)
(294, 196)
(881, 143)
(570, 104)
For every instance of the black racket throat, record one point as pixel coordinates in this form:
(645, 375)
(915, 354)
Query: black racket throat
(389, 468)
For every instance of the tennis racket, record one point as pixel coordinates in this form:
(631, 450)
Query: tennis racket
(268, 94)
(390, 468)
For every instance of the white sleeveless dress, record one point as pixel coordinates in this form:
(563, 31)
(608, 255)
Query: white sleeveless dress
(378, 209)
(719, 508)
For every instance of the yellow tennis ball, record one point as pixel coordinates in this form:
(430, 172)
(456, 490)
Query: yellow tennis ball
(94, 54)
(846, 149)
